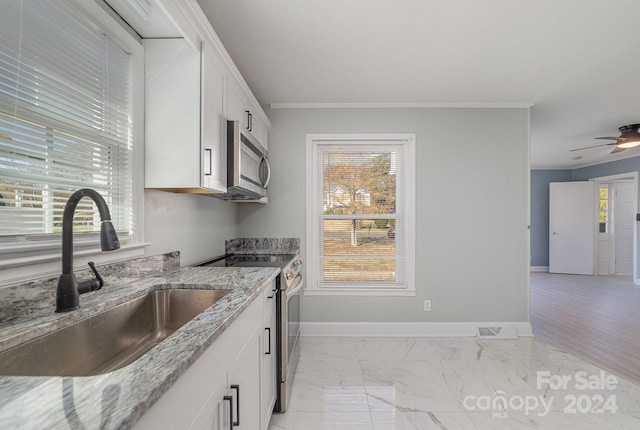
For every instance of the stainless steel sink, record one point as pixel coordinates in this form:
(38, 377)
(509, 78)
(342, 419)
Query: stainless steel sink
(111, 339)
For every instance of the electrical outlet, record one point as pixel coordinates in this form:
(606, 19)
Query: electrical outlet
(427, 305)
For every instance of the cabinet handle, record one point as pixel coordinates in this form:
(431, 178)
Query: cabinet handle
(273, 294)
(210, 161)
(250, 121)
(248, 124)
(230, 399)
(237, 388)
(268, 329)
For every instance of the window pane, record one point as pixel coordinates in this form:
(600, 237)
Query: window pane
(603, 209)
(359, 182)
(361, 214)
(65, 120)
(356, 250)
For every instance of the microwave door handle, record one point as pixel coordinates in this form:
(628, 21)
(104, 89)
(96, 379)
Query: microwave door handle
(265, 161)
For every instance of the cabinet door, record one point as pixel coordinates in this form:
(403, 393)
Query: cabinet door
(215, 415)
(196, 399)
(268, 371)
(244, 385)
(172, 114)
(238, 109)
(236, 106)
(213, 141)
(260, 131)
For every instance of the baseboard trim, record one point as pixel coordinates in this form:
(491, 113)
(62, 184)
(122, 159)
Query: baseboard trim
(409, 329)
(539, 268)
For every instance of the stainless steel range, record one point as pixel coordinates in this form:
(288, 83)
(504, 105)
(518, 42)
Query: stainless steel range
(289, 285)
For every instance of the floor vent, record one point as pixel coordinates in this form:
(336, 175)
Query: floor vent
(508, 332)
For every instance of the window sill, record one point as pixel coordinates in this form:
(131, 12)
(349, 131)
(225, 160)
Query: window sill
(342, 291)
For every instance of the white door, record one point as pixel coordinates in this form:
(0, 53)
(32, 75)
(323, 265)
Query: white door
(572, 227)
(624, 219)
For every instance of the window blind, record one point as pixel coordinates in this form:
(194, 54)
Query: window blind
(65, 108)
(361, 220)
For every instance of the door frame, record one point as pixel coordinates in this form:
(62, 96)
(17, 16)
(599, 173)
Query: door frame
(634, 177)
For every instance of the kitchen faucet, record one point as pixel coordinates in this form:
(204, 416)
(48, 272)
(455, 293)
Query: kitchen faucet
(69, 289)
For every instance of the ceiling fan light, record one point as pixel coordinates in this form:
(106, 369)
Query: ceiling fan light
(629, 144)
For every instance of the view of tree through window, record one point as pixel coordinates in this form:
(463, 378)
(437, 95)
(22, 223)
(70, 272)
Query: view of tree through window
(359, 216)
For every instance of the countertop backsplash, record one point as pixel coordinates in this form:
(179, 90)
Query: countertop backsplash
(24, 300)
(253, 245)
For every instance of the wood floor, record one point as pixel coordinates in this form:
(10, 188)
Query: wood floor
(596, 318)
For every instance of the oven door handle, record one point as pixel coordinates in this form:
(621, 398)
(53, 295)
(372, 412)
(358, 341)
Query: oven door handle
(297, 286)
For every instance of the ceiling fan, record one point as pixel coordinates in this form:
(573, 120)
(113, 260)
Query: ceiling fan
(629, 138)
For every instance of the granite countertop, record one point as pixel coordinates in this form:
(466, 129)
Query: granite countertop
(117, 399)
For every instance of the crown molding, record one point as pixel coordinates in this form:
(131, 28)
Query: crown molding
(419, 105)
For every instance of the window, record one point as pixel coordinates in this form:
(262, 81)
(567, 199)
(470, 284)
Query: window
(67, 78)
(603, 208)
(360, 201)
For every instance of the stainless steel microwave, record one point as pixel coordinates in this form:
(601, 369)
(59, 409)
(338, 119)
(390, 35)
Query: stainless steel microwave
(248, 170)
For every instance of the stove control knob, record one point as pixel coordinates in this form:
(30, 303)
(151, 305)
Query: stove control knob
(288, 274)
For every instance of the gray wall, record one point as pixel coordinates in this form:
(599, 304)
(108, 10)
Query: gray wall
(540, 180)
(472, 249)
(606, 169)
(195, 225)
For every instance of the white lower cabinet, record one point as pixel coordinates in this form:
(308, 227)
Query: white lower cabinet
(215, 414)
(268, 369)
(231, 386)
(244, 385)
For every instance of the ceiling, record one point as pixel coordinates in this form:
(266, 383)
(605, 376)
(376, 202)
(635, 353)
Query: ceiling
(575, 62)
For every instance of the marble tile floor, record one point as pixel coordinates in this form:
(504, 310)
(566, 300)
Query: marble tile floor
(452, 384)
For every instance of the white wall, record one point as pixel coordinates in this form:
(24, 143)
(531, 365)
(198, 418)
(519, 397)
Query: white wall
(472, 250)
(195, 225)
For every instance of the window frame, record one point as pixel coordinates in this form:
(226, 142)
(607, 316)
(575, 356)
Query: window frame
(41, 257)
(314, 200)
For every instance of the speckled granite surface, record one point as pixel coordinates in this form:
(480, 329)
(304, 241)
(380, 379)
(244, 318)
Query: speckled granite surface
(117, 399)
(252, 245)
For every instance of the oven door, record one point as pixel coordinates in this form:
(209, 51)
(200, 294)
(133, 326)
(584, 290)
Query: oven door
(290, 337)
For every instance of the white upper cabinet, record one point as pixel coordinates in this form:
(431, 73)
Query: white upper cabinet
(241, 109)
(184, 118)
(214, 126)
(260, 130)
(192, 88)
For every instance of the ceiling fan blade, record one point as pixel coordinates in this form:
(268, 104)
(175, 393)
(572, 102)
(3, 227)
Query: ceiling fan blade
(593, 146)
(607, 138)
(618, 149)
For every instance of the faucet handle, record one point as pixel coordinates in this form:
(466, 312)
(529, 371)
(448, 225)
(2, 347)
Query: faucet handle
(91, 284)
(92, 266)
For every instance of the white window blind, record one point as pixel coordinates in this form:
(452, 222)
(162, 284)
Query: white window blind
(65, 109)
(360, 221)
